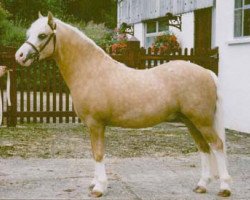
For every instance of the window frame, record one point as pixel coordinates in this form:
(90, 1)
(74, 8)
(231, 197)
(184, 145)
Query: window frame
(242, 8)
(155, 34)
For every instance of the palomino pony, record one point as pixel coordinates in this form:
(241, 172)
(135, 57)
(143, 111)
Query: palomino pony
(108, 93)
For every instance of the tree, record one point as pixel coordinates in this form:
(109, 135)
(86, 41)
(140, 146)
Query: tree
(99, 11)
(10, 34)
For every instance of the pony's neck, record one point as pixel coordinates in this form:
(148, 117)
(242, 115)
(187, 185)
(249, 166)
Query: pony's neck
(78, 57)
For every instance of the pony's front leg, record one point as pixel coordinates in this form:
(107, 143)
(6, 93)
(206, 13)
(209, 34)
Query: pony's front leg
(99, 184)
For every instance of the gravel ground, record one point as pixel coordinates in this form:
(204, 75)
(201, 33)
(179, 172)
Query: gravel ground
(72, 141)
(164, 178)
(53, 161)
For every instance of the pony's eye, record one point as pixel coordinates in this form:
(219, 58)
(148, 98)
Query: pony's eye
(42, 36)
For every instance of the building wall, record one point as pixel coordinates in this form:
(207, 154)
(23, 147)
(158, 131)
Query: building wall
(234, 69)
(135, 11)
(185, 37)
(139, 32)
(213, 28)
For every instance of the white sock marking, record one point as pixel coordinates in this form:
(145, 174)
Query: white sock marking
(225, 178)
(100, 181)
(206, 171)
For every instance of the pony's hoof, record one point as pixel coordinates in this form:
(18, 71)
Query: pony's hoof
(200, 190)
(224, 193)
(95, 194)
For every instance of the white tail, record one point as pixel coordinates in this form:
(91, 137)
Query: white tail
(218, 125)
(219, 116)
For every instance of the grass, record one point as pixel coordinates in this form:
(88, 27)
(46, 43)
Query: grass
(11, 34)
(72, 141)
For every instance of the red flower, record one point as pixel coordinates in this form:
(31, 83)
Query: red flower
(118, 47)
(166, 44)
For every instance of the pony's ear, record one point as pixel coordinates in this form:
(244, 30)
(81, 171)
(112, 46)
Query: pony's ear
(40, 15)
(50, 19)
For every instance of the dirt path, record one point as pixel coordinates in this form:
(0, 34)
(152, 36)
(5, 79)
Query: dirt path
(54, 162)
(165, 178)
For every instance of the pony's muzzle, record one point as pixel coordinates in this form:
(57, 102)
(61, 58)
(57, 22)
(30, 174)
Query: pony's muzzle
(25, 56)
(20, 57)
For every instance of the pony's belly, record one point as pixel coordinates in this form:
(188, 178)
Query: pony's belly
(141, 121)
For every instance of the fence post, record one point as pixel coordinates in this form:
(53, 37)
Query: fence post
(214, 57)
(12, 110)
(133, 53)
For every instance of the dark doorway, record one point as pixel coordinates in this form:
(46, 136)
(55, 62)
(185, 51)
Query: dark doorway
(203, 29)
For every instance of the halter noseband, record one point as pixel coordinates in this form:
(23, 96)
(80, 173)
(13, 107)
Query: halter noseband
(36, 55)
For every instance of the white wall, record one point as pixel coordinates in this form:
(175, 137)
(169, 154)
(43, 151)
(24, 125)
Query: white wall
(139, 32)
(213, 28)
(186, 36)
(234, 69)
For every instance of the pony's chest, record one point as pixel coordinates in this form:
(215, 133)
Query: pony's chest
(89, 102)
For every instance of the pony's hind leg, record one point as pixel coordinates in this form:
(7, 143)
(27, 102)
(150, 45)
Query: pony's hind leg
(99, 183)
(204, 150)
(217, 146)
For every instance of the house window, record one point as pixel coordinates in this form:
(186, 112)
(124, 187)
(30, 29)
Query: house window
(242, 18)
(153, 29)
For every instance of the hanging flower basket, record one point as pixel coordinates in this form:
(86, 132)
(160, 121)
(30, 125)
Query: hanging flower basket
(165, 44)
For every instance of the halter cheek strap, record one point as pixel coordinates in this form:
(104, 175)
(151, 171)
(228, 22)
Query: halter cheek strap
(36, 55)
(33, 46)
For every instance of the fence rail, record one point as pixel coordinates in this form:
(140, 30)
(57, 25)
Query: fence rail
(140, 58)
(39, 94)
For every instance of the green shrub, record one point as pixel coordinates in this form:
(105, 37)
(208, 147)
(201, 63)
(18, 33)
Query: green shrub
(12, 25)
(99, 33)
(3, 13)
(11, 34)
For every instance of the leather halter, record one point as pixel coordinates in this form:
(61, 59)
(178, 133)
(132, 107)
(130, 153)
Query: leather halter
(36, 55)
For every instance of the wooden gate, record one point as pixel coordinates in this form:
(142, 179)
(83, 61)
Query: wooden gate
(38, 93)
(42, 95)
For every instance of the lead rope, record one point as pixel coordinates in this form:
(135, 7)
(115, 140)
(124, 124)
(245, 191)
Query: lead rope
(8, 88)
(1, 108)
(8, 97)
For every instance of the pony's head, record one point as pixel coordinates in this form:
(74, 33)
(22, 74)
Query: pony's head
(41, 41)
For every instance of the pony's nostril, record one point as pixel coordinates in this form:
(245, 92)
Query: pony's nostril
(21, 55)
